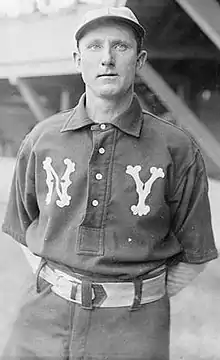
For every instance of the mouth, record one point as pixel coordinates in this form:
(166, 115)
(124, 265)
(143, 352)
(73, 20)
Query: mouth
(106, 75)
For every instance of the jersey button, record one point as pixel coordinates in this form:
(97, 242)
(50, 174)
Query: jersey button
(103, 126)
(98, 176)
(95, 202)
(101, 150)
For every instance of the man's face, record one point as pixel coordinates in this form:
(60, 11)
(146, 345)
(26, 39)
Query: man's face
(108, 60)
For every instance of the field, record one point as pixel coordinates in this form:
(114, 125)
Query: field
(195, 311)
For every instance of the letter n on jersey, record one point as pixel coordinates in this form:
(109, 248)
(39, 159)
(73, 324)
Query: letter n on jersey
(61, 185)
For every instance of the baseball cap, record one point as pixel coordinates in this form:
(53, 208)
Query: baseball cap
(121, 14)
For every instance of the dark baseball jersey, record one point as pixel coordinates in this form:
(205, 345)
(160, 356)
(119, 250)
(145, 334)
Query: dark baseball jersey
(115, 199)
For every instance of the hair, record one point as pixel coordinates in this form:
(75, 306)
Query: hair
(139, 41)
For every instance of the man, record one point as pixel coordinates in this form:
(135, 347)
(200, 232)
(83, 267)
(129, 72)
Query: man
(114, 201)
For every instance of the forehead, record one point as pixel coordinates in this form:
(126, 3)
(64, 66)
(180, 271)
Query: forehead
(110, 29)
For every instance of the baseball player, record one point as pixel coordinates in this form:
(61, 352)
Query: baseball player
(115, 203)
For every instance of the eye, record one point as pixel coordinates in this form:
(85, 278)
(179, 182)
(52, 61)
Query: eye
(95, 46)
(120, 46)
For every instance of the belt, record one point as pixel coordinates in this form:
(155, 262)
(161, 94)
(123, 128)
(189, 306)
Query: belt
(106, 294)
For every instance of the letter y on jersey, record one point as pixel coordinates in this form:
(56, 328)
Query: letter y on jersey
(143, 189)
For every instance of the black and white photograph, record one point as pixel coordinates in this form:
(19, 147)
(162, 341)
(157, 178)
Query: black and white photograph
(109, 179)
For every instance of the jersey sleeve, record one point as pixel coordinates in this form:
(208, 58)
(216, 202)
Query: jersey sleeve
(22, 206)
(191, 215)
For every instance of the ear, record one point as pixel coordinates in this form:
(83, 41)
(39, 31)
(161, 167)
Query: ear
(142, 57)
(77, 61)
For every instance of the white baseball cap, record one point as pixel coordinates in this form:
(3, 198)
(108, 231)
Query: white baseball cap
(121, 14)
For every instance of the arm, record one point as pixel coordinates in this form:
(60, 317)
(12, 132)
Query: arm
(192, 227)
(191, 217)
(32, 259)
(180, 275)
(22, 208)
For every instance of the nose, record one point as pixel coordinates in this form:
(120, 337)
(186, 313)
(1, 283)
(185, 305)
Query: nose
(107, 56)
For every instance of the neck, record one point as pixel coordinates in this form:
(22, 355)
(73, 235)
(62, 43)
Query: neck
(101, 109)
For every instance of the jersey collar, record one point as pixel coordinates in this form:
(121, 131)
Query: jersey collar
(129, 122)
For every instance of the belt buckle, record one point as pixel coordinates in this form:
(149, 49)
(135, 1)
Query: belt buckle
(99, 294)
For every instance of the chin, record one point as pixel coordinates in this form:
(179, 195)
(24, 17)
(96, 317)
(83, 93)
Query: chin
(110, 92)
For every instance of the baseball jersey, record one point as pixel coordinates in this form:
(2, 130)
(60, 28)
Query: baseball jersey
(115, 199)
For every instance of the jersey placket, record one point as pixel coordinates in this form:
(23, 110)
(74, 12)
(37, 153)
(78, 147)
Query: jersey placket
(91, 232)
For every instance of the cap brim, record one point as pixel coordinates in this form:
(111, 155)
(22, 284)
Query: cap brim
(136, 27)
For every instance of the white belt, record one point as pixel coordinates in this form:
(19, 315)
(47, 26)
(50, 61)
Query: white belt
(117, 294)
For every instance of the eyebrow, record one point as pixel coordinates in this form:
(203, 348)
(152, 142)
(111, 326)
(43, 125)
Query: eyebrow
(122, 42)
(114, 42)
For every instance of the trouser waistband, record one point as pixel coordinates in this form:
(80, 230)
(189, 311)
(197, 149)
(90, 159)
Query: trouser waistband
(91, 294)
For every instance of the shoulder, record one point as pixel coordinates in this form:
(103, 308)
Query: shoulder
(179, 142)
(183, 149)
(52, 124)
(168, 129)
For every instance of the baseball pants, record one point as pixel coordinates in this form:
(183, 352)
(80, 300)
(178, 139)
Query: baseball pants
(50, 327)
